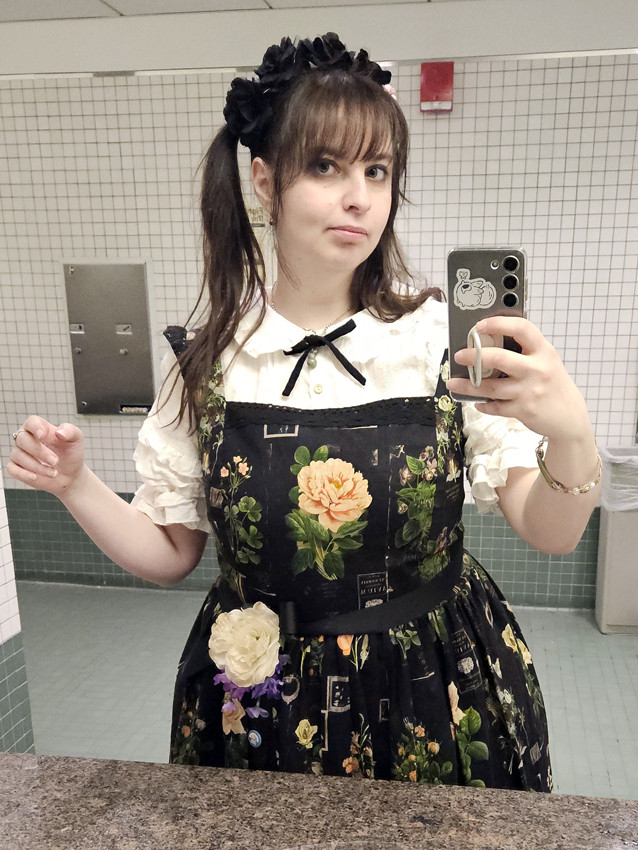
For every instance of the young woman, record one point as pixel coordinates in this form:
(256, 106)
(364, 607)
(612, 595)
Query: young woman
(309, 425)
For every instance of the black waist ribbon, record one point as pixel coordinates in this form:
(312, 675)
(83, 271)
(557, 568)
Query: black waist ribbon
(305, 346)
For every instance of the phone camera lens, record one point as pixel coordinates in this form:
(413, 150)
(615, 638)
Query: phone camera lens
(510, 264)
(510, 281)
(510, 299)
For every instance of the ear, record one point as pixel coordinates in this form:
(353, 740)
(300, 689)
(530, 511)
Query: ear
(262, 178)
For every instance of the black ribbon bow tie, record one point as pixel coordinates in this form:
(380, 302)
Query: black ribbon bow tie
(305, 346)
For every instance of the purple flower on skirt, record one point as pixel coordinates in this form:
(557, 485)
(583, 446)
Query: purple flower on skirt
(256, 712)
(272, 685)
(230, 687)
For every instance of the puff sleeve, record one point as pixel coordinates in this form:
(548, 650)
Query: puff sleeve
(167, 460)
(494, 444)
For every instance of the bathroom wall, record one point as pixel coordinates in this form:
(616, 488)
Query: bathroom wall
(539, 152)
(16, 732)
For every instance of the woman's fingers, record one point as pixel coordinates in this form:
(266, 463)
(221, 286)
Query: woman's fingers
(523, 331)
(38, 427)
(509, 362)
(24, 462)
(27, 443)
(504, 389)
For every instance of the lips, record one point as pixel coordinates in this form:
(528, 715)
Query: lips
(357, 231)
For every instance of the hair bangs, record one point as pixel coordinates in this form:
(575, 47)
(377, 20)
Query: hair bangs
(345, 131)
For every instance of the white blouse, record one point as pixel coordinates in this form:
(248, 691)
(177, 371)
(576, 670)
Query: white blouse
(397, 359)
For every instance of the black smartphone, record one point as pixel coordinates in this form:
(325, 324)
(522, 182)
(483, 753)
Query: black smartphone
(482, 282)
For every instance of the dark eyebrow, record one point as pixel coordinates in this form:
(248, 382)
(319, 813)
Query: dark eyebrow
(385, 158)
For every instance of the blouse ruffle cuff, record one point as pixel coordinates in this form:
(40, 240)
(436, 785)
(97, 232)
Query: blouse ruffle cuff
(494, 444)
(173, 490)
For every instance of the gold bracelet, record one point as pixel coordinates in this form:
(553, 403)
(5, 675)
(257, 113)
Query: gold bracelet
(556, 485)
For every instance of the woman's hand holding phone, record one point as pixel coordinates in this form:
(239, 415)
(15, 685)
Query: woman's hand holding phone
(538, 390)
(47, 457)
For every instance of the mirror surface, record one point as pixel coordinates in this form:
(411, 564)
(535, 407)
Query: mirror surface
(538, 152)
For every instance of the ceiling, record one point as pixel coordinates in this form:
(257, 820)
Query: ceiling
(41, 10)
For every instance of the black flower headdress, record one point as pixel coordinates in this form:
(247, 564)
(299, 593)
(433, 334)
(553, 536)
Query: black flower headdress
(250, 103)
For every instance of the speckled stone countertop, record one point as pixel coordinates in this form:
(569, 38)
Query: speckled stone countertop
(52, 803)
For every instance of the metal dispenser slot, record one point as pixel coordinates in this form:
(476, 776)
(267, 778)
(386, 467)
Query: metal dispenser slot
(110, 339)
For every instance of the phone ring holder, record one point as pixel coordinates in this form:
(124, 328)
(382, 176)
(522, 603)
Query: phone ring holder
(476, 372)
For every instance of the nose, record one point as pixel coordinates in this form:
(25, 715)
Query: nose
(356, 194)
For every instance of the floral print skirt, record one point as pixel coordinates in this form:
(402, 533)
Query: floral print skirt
(449, 698)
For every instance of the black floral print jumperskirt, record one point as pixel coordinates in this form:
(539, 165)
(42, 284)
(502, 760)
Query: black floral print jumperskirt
(401, 659)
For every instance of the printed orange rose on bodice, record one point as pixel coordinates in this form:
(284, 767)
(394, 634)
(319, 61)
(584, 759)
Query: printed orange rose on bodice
(333, 492)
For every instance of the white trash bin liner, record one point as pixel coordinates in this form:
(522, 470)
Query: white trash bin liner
(617, 575)
(620, 479)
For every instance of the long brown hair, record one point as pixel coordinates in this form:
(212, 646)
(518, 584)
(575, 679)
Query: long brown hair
(341, 111)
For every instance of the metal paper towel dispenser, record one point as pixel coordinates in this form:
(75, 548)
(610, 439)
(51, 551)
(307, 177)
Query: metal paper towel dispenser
(110, 340)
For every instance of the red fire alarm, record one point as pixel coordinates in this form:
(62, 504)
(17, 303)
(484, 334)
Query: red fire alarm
(437, 81)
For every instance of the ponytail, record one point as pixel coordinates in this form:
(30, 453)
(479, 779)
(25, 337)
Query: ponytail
(233, 275)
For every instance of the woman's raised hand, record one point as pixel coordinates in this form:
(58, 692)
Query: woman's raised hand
(538, 390)
(47, 457)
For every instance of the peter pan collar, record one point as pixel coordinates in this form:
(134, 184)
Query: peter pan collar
(276, 333)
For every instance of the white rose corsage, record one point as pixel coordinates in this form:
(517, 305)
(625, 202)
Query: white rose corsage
(244, 644)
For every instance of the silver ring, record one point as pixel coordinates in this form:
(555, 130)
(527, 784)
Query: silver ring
(15, 433)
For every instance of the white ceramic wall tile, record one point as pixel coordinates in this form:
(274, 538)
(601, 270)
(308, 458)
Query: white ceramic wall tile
(537, 152)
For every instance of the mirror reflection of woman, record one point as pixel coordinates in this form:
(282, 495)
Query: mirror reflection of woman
(308, 424)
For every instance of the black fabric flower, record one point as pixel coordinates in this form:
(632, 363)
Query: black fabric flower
(363, 65)
(247, 112)
(327, 51)
(281, 64)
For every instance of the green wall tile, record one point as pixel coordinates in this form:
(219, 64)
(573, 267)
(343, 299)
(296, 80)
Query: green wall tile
(16, 731)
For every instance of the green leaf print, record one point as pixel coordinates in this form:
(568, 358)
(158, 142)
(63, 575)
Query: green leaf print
(314, 529)
(349, 528)
(294, 521)
(415, 465)
(478, 751)
(250, 507)
(469, 750)
(471, 723)
(293, 495)
(417, 500)
(253, 537)
(333, 565)
(303, 559)
(302, 456)
(410, 530)
(321, 453)
(405, 638)
(347, 543)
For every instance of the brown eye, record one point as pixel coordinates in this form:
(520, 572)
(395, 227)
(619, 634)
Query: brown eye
(377, 172)
(324, 167)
